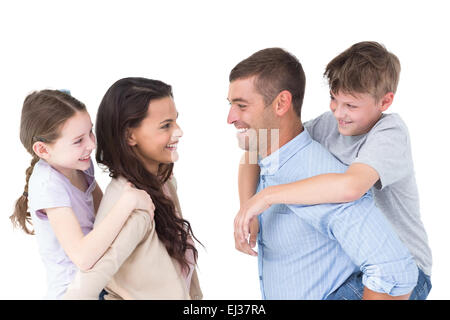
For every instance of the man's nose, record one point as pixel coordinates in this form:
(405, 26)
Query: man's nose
(232, 115)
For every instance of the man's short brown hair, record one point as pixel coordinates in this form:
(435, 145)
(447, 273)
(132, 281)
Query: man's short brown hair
(365, 67)
(275, 70)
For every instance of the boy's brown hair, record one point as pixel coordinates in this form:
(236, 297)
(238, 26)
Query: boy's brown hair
(365, 67)
(275, 70)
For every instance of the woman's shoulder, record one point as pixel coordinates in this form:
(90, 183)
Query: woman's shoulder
(116, 184)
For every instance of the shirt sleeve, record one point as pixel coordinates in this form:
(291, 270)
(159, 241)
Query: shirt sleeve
(387, 149)
(51, 192)
(370, 242)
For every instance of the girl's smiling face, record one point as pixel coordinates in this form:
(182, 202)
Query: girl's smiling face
(72, 150)
(155, 139)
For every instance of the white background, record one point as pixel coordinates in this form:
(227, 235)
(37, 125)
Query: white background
(85, 46)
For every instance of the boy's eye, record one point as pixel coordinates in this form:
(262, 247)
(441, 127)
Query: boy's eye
(331, 97)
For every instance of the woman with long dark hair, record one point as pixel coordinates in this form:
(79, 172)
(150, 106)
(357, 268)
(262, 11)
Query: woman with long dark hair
(154, 256)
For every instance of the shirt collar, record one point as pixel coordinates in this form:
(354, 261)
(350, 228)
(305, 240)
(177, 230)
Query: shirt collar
(272, 163)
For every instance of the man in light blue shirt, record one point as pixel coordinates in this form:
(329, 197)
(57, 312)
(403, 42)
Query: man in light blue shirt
(308, 252)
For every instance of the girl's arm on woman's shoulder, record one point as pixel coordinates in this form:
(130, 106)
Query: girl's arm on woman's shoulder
(85, 250)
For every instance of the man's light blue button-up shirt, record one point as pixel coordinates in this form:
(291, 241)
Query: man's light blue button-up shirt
(307, 252)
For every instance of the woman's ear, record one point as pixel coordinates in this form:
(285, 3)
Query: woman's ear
(41, 150)
(131, 140)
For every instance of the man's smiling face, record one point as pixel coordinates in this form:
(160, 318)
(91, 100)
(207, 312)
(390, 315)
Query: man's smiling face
(248, 114)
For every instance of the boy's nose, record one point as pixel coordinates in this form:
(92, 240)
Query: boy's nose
(339, 111)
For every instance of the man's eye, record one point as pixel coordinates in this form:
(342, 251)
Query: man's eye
(241, 106)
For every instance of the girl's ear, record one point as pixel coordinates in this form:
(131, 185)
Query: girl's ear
(130, 137)
(41, 150)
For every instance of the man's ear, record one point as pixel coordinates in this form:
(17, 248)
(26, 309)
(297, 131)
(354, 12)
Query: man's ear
(41, 150)
(131, 140)
(386, 101)
(283, 102)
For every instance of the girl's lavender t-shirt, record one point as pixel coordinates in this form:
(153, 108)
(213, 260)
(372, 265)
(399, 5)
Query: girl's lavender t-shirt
(48, 188)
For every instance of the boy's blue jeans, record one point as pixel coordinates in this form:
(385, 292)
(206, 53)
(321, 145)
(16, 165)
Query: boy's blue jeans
(353, 288)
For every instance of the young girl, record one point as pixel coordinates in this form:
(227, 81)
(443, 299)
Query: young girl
(61, 196)
(137, 134)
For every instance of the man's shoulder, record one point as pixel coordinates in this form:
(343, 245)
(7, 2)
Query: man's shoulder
(315, 159)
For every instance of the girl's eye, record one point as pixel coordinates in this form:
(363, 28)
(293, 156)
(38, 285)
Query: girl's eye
(78, 141)
(331, 97)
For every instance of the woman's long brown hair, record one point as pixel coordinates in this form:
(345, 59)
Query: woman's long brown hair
(124, 106)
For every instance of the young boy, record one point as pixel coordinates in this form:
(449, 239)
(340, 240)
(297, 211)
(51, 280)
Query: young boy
(376, 146)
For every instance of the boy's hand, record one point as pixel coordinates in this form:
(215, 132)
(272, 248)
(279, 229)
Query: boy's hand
(249, 210)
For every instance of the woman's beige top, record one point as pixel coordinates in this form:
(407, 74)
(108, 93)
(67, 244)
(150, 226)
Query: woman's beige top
(137, 265)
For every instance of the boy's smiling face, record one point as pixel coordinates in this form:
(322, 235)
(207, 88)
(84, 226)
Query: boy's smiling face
(357, 113)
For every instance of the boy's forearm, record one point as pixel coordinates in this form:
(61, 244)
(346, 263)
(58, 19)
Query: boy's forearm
(325, 188)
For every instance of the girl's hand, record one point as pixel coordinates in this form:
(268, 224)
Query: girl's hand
(140, 198)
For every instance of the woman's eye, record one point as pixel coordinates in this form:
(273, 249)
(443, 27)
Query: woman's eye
(165, 126)
(78, 141)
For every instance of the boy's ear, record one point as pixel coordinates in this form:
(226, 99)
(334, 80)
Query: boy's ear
(386, 101)
(131, 140)
(283, 102)
(41, 150)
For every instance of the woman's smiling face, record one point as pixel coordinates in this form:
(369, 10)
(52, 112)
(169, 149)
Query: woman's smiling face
(155, 139)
